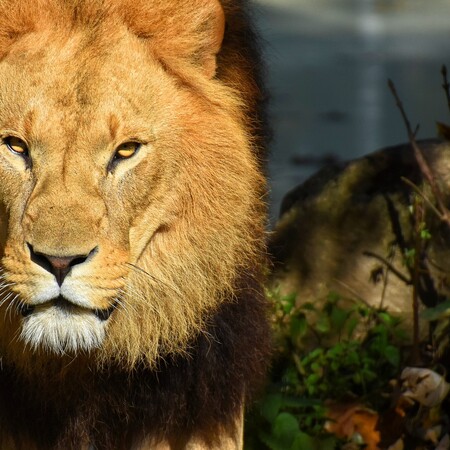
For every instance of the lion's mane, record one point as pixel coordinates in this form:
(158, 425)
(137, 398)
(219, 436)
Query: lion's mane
(188, 342)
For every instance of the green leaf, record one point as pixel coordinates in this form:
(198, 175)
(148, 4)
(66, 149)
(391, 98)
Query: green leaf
(338, 317)
(425, 234)
(270, 441)
(313, 379)
(353, 355)
(387, 319)
(288, 302)
(352, 323)
(323, 324)
(337, 350)
(328, 443)
(304, 442)
(317, 368)
(441, 310)
(379, 332)
(285, 429)
(409, 256)
(392, 354)
(308, 306)
(316, 353)
(299, 326)
(333, 297)
(271, 407)
(301, 402)
(364, 310)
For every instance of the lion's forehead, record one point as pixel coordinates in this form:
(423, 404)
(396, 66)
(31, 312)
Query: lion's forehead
(71, 88)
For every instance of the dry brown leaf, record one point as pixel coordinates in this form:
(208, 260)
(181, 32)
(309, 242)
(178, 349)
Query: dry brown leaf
(347, 420)
(425, 386)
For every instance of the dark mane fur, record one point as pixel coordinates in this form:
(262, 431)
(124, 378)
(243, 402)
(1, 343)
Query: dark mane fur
(240, 65)
(199, 391)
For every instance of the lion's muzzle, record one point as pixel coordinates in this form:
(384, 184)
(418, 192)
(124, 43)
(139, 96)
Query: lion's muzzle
(59, 266)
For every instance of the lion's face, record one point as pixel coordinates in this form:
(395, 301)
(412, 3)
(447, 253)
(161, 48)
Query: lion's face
(127, 191)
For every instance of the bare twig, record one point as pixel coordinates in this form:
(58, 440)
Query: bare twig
(390, 266)
(390, 259)
(422, 163)
(445, 84)
(351, 291)
(391, 85)
(419, 192)
(419, 216)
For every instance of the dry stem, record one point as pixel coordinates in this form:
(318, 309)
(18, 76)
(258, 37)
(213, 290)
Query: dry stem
(445, 85)
(422, 163)
(419, 211)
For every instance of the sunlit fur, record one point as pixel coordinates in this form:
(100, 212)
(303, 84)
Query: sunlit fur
(169, 241)
(175, 224)
(58, 331)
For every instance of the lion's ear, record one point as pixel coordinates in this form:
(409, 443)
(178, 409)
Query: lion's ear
(214, 31)
(178, 31)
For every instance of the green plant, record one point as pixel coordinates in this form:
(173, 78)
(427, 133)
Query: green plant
(338, 350)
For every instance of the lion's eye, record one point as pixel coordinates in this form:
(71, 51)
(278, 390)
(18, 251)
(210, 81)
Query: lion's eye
(127, 150)
(16, 145)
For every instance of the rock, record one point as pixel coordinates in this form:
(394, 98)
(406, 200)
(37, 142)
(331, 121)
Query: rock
(350, 228)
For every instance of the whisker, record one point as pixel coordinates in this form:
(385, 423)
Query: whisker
(4, 287)
(15, 337)
(124, 299)
(10, 294)
(153, 278)
(12, 302)
(132, 292)
(121, 302)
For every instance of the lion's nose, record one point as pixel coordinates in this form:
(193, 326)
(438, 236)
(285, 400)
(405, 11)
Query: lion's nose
(59, 266)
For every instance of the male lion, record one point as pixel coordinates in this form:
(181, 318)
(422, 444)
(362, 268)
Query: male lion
(132, 224)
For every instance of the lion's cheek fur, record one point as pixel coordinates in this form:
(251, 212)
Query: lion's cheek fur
(14, 192)
(169, 240)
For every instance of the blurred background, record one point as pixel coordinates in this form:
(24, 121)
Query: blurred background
(328, 63)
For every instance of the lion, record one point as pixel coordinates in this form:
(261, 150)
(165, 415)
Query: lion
(132, 224)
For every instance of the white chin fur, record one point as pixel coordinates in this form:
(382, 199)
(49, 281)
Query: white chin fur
(62, 330)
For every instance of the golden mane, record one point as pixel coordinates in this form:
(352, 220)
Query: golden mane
(140, 262)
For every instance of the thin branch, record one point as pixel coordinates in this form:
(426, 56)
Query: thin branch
(445, 84)
(423, 165)
(419, 192)
(390, 258)
(391, 85)
(419, 216)
(351, 291)
(390, 266)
